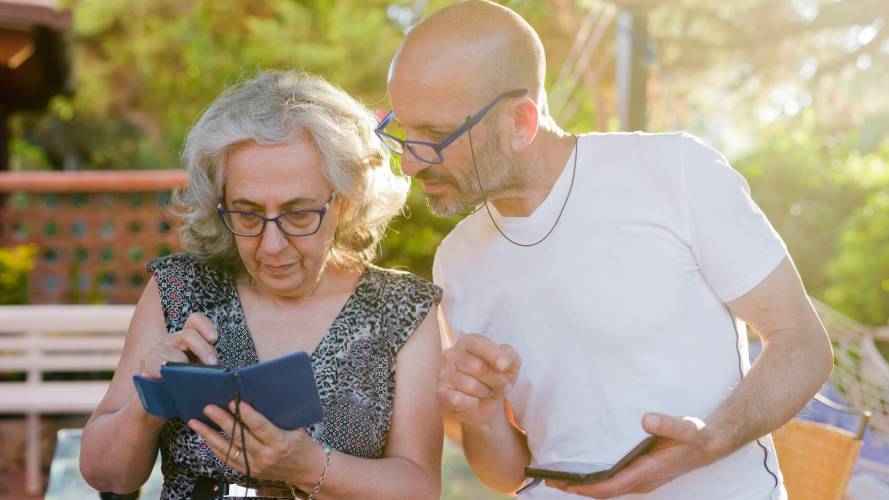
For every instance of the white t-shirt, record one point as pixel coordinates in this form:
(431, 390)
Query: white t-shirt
(620, 311)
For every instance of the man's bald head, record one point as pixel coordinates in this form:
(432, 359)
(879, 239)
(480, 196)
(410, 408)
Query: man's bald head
(476, 48)
(450, 67)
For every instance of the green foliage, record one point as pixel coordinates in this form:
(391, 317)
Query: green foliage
(860, 269)
(802, 183)
(26, 155)
(412, 238)
(15, 263)
(145, 70)
(828, 200)
(814, 69)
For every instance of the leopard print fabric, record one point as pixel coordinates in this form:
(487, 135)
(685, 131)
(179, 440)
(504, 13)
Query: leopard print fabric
(354, 362)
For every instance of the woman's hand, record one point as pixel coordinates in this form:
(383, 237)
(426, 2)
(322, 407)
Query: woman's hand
(192, 343)
(273, 453)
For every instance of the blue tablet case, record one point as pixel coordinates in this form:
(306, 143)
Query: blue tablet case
(282, 389)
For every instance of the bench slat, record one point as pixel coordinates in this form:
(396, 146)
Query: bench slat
(51, 397)
(92, 362)
(47, 318)
(85, 343)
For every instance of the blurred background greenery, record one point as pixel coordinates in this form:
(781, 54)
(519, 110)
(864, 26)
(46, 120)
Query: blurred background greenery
(15, 263)
(792, 91)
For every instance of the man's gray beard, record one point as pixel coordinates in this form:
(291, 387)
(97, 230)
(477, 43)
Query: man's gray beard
(497, 175)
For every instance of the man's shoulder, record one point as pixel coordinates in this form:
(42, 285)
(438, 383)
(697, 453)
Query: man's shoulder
(642, 155)
(638, 141)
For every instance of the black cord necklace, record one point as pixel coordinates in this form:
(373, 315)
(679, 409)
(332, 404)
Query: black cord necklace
(488, 209)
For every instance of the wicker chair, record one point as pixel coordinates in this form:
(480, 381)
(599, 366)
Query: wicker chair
(817, 459)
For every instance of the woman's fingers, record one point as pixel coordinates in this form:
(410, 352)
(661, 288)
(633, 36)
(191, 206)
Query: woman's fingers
(192, 341)
(203, 325)
(161, 354)
(219, 445)
(259, 426)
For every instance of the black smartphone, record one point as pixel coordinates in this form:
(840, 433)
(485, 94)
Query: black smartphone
(586, 473)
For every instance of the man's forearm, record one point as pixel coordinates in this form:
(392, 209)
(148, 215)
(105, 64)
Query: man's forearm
(498, 453)
(790, 370)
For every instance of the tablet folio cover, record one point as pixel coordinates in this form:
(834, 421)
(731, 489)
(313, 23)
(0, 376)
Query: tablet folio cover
(283, 390)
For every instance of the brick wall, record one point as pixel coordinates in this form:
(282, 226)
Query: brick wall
(94, 230)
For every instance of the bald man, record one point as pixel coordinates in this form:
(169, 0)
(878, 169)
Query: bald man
(590, 298)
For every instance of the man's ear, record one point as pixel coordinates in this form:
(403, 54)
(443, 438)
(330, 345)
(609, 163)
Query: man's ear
(525, 120)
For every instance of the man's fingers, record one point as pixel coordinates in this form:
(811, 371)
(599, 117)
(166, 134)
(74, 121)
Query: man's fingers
(465, 361)
(649, 487)
(486, 349)
(606, 489)
(515, 362)
(475, 367)
(643, 472)
(683, 429)
(455, 401)
(202, 325)
(466, 384)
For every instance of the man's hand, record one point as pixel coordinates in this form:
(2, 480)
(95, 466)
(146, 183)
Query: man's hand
(687, 444)
(475, 376)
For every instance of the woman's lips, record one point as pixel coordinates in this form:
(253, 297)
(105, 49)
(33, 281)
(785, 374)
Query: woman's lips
(277, 269)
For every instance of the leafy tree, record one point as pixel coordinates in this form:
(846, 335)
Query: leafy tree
(824, 198)
(792, 90)
(859, 271)
(145, 70)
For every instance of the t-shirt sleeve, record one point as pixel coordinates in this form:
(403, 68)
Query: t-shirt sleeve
(734, 243)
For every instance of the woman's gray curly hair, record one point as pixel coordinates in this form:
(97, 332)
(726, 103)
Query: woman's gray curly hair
(275, 107)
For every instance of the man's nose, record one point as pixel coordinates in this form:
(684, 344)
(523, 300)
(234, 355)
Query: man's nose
(411, 165)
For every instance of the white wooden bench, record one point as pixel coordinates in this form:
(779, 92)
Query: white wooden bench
(44, 339)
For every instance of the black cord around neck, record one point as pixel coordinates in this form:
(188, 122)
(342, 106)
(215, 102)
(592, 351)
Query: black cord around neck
(488, 209)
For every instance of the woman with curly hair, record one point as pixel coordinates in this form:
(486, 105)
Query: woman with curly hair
(288, 195)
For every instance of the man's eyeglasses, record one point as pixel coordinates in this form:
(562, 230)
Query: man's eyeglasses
(296, 223)
(430, 152)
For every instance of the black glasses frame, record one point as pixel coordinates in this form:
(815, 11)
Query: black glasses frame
(447, 141)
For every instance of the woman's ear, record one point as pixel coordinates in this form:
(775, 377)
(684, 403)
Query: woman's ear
(525, 120)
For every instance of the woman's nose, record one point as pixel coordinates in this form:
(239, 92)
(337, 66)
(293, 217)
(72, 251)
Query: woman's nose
(273, 240)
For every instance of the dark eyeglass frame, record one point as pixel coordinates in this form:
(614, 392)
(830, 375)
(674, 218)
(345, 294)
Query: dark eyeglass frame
(277, 219)
(380, 131)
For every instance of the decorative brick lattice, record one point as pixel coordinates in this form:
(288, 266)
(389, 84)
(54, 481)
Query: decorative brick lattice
(94, 231)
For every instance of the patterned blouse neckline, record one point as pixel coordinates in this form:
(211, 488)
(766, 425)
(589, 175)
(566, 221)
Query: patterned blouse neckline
(354, 299)
(354, 362)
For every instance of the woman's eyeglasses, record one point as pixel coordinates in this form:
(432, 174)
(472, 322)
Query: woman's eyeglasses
(304, 222)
